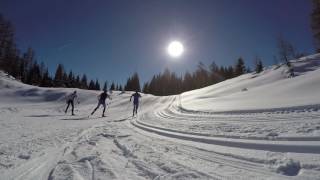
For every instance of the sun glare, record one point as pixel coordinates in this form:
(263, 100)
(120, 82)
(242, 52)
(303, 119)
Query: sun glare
(175, 49)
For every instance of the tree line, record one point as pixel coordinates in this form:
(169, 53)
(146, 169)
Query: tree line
(168, 83)
(24, 66)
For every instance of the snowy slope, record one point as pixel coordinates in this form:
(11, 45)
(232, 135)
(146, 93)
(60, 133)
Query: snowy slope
(268, 89)
(271, 130)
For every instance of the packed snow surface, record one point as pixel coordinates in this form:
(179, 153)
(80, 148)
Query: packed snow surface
(255, 126)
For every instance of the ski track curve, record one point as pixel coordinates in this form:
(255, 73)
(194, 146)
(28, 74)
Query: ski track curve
(257, 169)
(172, 112)
(247, 144)
(170, 116)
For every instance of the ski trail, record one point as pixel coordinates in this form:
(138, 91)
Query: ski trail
(188, 156)
(282, 146)
(264, 168)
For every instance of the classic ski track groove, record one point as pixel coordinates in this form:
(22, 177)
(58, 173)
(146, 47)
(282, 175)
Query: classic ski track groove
(246, 144)
(213, 157)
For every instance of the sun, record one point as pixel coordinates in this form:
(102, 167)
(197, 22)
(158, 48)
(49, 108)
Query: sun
(175, 49)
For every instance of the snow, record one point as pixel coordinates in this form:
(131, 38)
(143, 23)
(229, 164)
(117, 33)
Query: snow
(256, 126)
(271, 89)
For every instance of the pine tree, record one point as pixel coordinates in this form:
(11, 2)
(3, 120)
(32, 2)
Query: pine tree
(112, 87)
(42, 68)
(315, 23)
(230, 72)
(22, 70)
(91, 85)
(259, 65)
(8, 51)
(77, 82)
(65, 80)
(136, 82)
(58, 77)
(145, 88)
(26, 66)
(46, 79)
(84, 83)
(35, 74)
(133, 83)
(240, 68)
(215, 76)
(128, 85)
(187, 82)
(105, 86)
(71, 80)
(152, 85)
(248, 70)
(97, 85)
(286, 50)
(201, 76)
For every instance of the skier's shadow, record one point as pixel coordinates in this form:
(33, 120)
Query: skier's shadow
(92, 118)
(43, 115)
(75, 118)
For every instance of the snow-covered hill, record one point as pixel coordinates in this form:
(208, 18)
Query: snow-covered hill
(269, 89)
(256, 126)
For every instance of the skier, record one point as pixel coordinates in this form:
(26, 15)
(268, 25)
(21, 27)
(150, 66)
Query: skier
(102, 101)
(70, 100)
(136, 97)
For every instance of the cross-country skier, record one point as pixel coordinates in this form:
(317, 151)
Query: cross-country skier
(136, 97)
(102, 101)
(70, 100)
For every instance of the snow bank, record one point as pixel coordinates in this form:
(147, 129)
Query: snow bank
(14, 91)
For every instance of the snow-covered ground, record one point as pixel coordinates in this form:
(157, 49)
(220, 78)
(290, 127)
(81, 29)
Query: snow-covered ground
(256, 126)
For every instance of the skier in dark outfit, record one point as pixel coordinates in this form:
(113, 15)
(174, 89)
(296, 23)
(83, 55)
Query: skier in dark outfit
(102, 101)
(70, 100)
(136, 97)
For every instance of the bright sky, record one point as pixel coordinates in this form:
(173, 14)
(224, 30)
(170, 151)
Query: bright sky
(110, 40)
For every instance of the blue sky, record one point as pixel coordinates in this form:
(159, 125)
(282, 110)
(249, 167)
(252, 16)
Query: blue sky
(110, 40)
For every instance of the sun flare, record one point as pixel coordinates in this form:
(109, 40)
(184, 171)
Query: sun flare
(175, 49)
